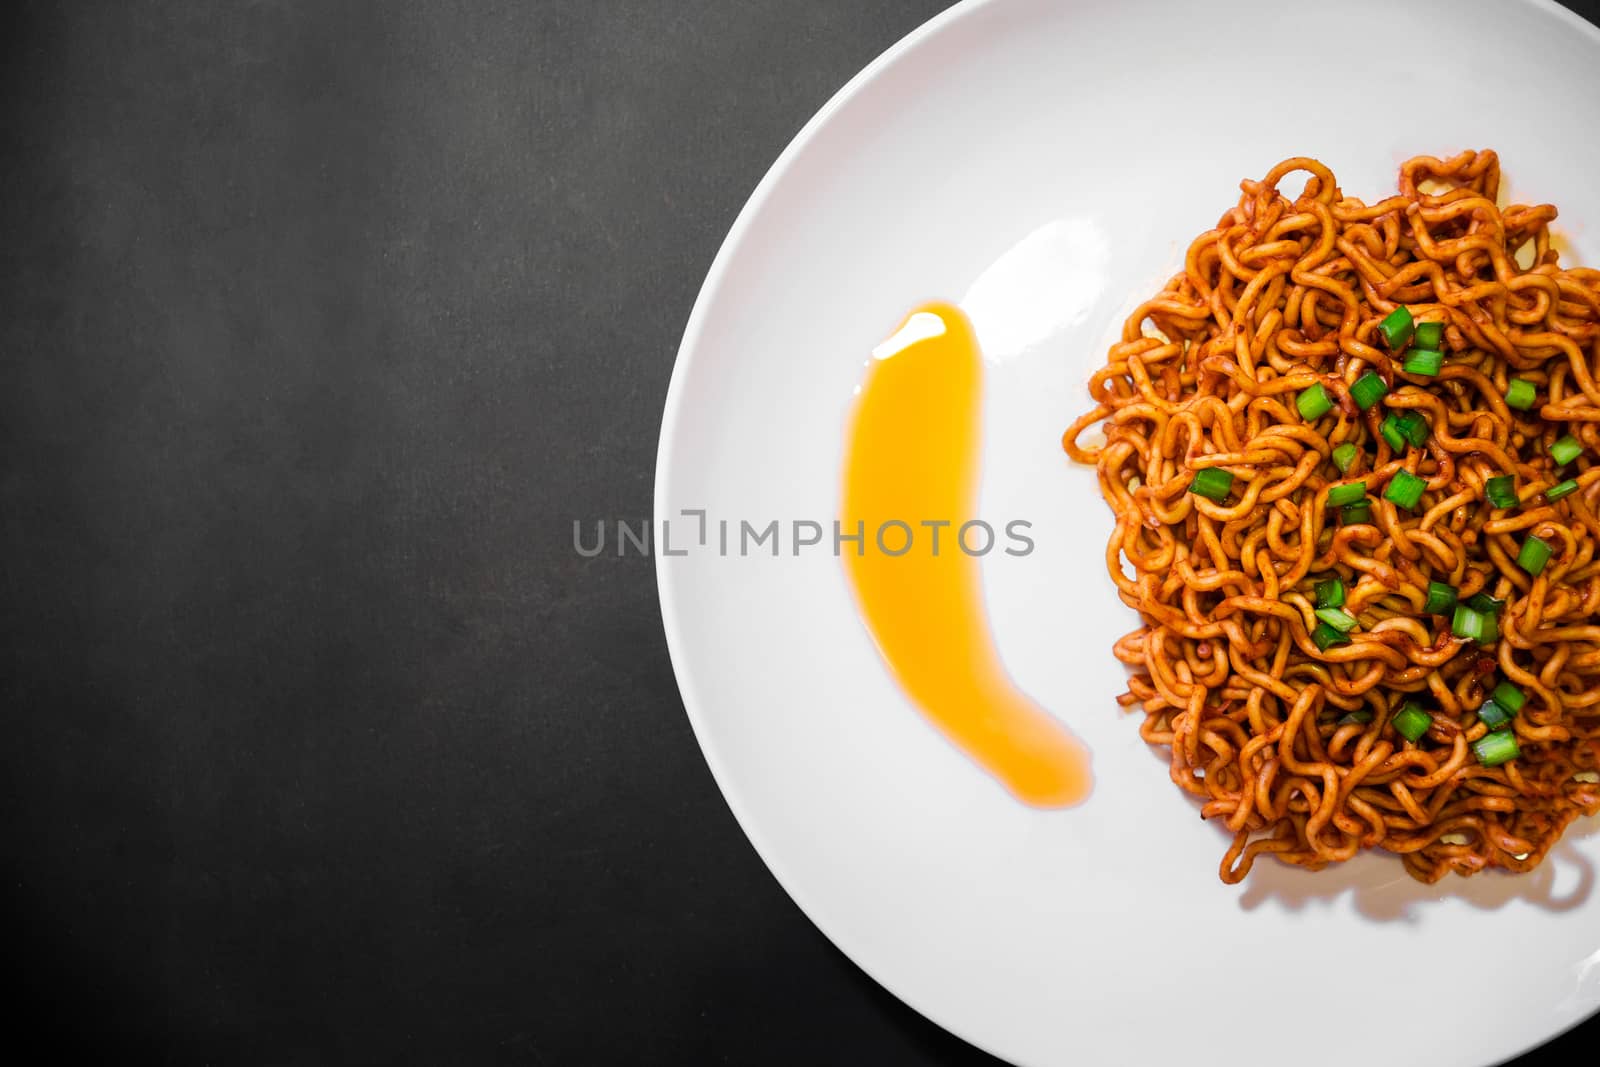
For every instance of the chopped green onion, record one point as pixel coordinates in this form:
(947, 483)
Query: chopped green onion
(1392, 433)
(1566, 488)
(1314, 403)
(1519, 394)
(1496, 748)
(1338, 618)
(1430, 334)
(1441, 598)
(1423, 361)
(1468, 623)
(1349, 493)
(1509, 697)
(1414, 425)
(1356, 514)
(1488, 608)
(1330, 593)
(1361, 716)
(1368, 390)
(1396, 327)
(1411, 722)
(1492, 715)
(1566, 450)
(1213, 483)
(1344, 456)
(1534, 555)
(1405, 489)
(1325, 637)
(1501, 491)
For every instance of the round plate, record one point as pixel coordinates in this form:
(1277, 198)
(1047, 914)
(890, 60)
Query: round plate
(1045, 164)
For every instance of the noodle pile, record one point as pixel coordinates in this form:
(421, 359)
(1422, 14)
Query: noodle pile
(1271, 732)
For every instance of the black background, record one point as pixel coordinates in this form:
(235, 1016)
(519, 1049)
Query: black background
(321, 323)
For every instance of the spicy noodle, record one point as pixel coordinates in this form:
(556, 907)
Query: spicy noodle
(1353, 451)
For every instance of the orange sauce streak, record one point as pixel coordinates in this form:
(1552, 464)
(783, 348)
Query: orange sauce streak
(912, 452)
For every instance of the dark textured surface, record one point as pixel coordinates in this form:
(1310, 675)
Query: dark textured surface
(321, 322)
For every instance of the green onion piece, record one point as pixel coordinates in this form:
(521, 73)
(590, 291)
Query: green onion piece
(1396, 327)
(1411, 722)
(1213, 483)
(1491, 630)
(1509, 697)
(1534, 555)
(1325, 637)
(1414, 425)
(1392, 433)
(1501, 491)
(1481, 601)
(1356, 514)
(1468, 623)
(1314, 403)
(1441, 598)
(1493, 715)
(1430, 334)
(1368, 390)
(1405, 489)
(1338, 618)
(1423, 361)
(1360, 715)
(1566, 450)
(1496, 748)
(1349, 493)
(1566, 488)
(1519, 394)
(1344, 456)
(1330, 593)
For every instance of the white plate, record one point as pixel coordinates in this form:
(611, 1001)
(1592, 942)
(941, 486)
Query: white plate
(1109, 135)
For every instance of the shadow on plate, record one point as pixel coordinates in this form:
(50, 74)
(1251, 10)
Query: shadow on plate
(1381, 889)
